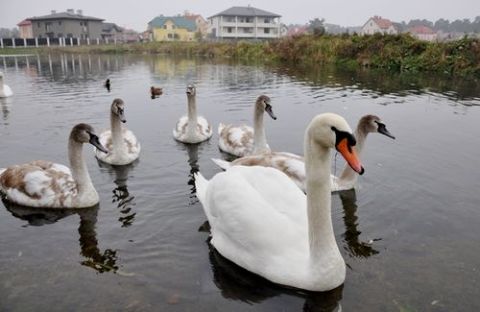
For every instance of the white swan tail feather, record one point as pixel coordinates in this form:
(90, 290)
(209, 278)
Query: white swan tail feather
(221, 126)
(201, 186)
(222, 163)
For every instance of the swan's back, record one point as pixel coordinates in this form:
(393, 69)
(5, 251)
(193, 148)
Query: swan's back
(39, 184)
(257, 217)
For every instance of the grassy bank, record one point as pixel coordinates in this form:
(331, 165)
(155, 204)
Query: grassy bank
(395, 53)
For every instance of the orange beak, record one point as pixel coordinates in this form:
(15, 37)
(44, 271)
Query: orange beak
(350, 155)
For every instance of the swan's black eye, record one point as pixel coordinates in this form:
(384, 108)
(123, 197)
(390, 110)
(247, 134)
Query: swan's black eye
(340, 135)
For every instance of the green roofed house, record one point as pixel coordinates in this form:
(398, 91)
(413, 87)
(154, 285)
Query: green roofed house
(170, 28)
(245, 23)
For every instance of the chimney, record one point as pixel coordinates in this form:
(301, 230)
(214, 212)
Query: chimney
(70, 11)
(53, 11)
(79, 12)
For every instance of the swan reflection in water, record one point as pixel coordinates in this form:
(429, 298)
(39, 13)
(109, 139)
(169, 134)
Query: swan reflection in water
(355, 247)
(94, 258)
(5, 105)
(192, 153)
(237, 283)
(124, 199)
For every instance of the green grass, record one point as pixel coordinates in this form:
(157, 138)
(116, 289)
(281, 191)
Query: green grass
(393, 53)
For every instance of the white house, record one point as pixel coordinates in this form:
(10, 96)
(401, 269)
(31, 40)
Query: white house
(377, 24)
(245, 23)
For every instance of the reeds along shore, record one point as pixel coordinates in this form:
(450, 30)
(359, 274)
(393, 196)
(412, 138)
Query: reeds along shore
(396, 53)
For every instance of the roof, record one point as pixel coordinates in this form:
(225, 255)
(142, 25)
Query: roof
(108, 27)
(383, 23)
(179, 21)
(65, 15)
(424, 30)
(25, 22)
(246, 11)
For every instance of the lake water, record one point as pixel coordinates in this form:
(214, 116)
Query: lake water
(409, 233)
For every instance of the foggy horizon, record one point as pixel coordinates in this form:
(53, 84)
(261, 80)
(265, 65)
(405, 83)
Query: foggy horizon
(343, 13)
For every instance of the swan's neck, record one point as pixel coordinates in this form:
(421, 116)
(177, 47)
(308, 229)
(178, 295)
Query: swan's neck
(118, 145)
(323, 247)
(348, 175)
(192, 114)
(79, 169)
(259, 138)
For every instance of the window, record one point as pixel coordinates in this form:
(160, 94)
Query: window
(38, 24)
(170, 36)
(266, 30)
(164, 26)
(59, 22)
(266, 20)
(229, 30)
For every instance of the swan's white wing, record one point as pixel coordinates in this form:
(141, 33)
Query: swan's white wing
(180, 128)
(258, 218)
(6, 92)
(133, 145)
(236, 140)
(204, 128)
(39, 184)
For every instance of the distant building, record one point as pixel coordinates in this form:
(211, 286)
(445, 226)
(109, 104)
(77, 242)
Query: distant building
(296, 30)
(423, 33)
(377, 24)
(66, 24)
(112, 31)
(245, 23)
(172, 28)
(202, 25)
(25, 29)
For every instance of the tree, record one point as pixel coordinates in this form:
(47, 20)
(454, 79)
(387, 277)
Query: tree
(316, 27)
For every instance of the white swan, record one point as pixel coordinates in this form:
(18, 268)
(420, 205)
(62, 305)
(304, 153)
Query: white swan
(243, 140)
(122, 144)
(192, 128)
(264, 223)
(293, 165)
(45, 184)
(5, 90)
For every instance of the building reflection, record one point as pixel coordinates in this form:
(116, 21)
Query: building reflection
(120, 194)
(355, 247)
(101, 262)
(237, 283)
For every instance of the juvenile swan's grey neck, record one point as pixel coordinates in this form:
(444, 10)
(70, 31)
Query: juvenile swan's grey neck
(192, 114)
(79, 168)
(348, 175)
(118, 144)
(259, 137)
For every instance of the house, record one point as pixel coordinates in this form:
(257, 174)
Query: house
(297, 30)
(202, 25)
(66, 24)
(245, 23)
(423, 33)
(111, 31)
(170, 28)
(25, 29)
(378, 24)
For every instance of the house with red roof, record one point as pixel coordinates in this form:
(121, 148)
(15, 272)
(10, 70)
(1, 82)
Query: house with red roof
(25, 28)
(423, 33)
(378, 24)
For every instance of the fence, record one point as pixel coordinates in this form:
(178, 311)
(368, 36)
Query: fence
(61, 42)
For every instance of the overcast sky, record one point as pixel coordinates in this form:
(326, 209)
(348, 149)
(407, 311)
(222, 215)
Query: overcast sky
(136, 14)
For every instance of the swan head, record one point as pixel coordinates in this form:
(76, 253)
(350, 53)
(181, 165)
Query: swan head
(332, 131)
(84, 133)
(372, 123)
(118, 109)
(264, 104)
(191, 90)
